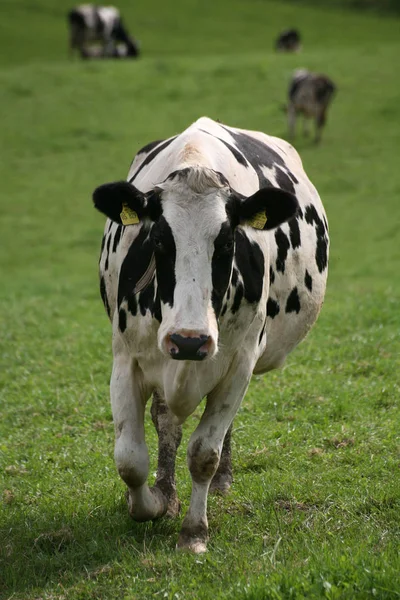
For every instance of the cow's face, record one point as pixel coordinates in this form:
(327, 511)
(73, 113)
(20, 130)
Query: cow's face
(192, 232)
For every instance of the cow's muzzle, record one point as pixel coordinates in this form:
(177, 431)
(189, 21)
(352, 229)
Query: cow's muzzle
(188, 347)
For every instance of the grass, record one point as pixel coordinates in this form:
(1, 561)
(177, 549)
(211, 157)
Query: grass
(314, 508)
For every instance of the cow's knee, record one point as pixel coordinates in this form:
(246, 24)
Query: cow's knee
(132, 461)
(203, 460)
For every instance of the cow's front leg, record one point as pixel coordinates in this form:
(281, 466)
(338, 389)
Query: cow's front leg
(291, 115)
(222, 480)
(169, 438)
(128, 400)
(204, 452)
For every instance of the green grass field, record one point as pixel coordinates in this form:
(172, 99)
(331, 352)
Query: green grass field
(314, 509)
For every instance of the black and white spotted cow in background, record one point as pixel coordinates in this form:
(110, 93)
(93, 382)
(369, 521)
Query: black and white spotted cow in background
(310, 95)
(89, 23)
(288, 41)
(213, 267)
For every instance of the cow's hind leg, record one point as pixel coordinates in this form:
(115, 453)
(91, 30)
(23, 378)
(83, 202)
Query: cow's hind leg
(169, 438)
(222, 480)
(128, 401)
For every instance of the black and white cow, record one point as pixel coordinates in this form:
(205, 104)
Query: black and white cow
(310, 95)
(288, 41)
(90, 23)
(213, 267)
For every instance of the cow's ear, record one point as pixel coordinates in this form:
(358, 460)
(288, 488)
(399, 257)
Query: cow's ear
(266, 209)
(121, 202)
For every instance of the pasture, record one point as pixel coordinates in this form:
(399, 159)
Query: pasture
(314, 508)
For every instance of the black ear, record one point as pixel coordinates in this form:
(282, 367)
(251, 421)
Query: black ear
(121, 202)
(266, 209)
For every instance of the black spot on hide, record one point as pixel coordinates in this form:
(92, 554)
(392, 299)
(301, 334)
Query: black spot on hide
(165, 253)
(272, 308)
(283, 245)
(117, 237)
(321, 251)
(235, 276)
(133, 268)
(257, 154)
(157, 307)
(293, 302)
(149, 147)
(294, 229)
(283, 181)
(221, 265)
(238, 156)
(260, 337)
(107, 252)
(150, 157)
(271, 275)
(292, 177)
(122, 320)
(146, 299)
(250, 262)
(103, 293)
(308, 281)
(237, 298)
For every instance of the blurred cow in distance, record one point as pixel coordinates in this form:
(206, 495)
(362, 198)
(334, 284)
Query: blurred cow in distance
(310, 95)
(102, 24)
(93, 52)
(288, 41)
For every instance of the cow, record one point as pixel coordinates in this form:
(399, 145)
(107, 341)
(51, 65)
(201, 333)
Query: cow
(96, 52)
(89, 23)
(309, 94)
(288, 41)
(213, 267)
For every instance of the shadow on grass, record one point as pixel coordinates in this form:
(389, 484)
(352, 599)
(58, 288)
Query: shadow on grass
(59, 548)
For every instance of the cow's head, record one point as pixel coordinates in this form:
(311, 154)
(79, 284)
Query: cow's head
(193, 215)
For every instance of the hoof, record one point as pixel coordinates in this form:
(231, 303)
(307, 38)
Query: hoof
(153, 506)
(193, 538)
(195, 546)
(168, 490)
(220, 485)
(174, 508)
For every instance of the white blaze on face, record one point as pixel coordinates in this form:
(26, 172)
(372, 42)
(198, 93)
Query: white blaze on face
(195, 221)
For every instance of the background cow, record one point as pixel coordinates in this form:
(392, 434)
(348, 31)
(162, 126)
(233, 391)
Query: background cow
(89, 23)
(310, 95)
(93, 52)
(213, 266)
(288, 41)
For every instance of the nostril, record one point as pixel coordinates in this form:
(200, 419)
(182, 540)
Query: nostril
(171, 348)
(186, 347)
(188, 344)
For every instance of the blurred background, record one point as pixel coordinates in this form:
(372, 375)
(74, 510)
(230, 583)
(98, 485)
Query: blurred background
(66, 126)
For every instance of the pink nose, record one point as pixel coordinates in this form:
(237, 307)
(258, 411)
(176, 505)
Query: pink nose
(188, 345)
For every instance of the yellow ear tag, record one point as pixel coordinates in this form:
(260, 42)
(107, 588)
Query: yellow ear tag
(258, 221)
(128, 216)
